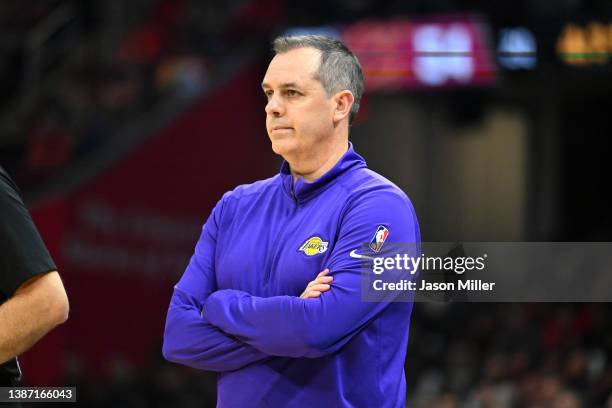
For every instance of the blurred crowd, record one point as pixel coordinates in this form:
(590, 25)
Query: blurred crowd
(510, 355)
(96, 75)
(157, 385)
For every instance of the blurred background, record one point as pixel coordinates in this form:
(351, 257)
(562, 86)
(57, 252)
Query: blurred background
(124, 122)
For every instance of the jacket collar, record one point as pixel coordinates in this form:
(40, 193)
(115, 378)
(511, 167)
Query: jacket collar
(303, 190)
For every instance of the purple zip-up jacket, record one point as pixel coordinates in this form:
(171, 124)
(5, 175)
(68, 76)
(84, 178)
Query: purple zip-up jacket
(237, 310)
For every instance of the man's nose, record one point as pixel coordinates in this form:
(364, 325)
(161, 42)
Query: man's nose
(275, 107)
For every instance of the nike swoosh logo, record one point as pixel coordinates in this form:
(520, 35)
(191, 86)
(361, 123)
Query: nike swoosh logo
(354, 254)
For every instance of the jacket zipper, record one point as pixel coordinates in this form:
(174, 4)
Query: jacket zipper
(280, 241)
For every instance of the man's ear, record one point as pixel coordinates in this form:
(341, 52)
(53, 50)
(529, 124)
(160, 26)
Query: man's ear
(343, 103)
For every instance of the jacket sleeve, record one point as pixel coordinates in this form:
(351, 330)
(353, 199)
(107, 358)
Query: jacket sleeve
(189, 338)
(295, 327)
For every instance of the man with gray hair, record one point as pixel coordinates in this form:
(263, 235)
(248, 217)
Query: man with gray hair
(241, 308)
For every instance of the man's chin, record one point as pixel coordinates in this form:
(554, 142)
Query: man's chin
(283, 147)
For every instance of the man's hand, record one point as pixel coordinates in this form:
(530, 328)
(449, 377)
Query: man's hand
(317, 286)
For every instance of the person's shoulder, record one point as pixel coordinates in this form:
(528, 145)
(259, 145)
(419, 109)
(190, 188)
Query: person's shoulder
(8, 188)
(373, 197)
(251, 190)
(245, 195)
(366, 184)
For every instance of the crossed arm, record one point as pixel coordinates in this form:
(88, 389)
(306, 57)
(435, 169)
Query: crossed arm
(189, 338)
(223, 330)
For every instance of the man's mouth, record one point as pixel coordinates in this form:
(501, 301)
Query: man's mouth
(275, 128)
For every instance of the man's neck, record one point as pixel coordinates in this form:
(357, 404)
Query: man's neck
(320, 164)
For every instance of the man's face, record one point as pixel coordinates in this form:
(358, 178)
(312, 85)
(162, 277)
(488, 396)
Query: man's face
(299, 115)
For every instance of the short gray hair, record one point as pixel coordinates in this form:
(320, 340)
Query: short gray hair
(338, 70)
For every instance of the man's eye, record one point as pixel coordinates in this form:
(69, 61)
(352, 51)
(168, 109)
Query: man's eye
(292, 92)
(268, 94)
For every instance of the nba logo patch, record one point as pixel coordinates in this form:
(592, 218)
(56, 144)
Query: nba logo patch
(379, 238)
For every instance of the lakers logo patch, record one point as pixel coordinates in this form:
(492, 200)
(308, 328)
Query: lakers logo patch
(314, 246)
